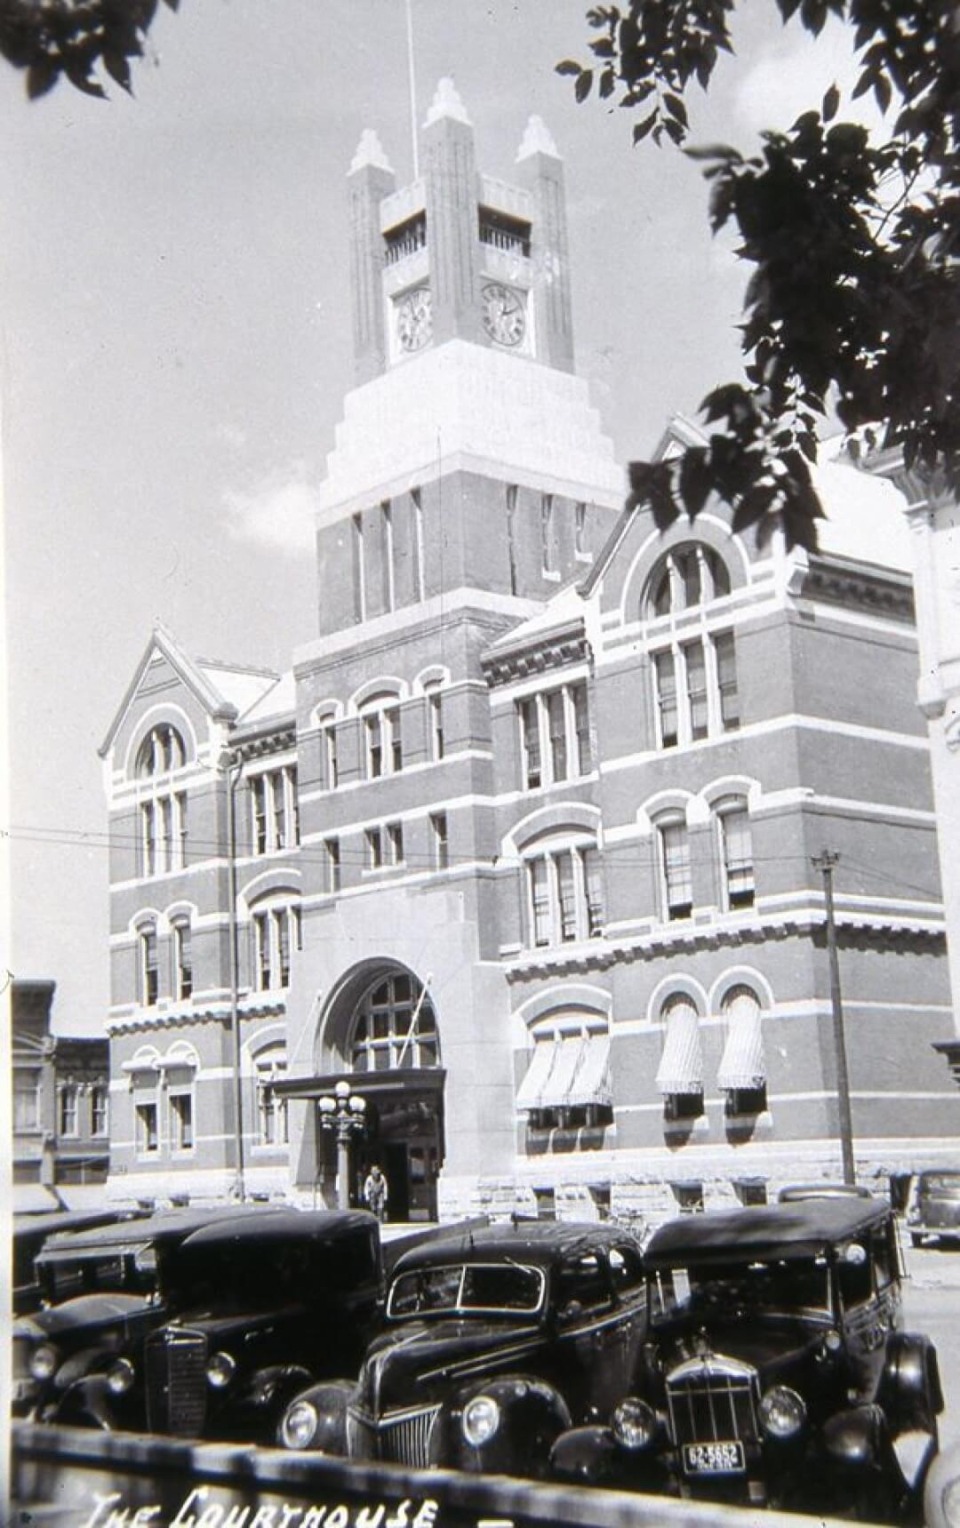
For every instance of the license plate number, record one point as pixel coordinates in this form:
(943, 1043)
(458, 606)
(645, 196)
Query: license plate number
(713, 1458)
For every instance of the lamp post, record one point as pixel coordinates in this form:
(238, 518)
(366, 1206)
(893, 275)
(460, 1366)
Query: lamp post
(344, 1114)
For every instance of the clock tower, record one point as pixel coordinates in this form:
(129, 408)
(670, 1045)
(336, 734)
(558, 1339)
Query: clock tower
(470, 483)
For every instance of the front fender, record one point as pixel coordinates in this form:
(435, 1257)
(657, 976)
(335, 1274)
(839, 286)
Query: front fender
(910, 1391)
(272, 1387)
(88, 1402)
(329, 1403)
(532, 1415)
(857, 1438)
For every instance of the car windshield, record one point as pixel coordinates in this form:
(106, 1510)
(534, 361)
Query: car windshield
(132, 1272)
(940, 1183)
(781, 1284)
(505, 1289)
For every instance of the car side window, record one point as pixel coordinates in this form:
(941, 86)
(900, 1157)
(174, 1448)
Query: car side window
(582, 1285)
(856, 1280)
(626, 1270)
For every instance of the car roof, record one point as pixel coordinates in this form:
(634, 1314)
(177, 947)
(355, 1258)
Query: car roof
(128, 1235)
(265, 1225)
(794, 1191)
(53, 1222)
(799, 1229)
(530, 1240)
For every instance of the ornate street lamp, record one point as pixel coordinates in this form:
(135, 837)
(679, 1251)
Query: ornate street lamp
(344, 1113)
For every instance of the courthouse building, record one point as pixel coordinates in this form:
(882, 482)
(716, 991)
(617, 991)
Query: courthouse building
(524, 847)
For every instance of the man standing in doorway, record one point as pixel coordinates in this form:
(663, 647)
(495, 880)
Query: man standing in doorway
(375, 1192)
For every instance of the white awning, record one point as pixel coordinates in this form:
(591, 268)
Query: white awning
(591, 1085)
(556, 1094)
(681, 1064)
(538, 1073)
(742, 1064)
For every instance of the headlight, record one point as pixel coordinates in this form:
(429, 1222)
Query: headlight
(634, 1423)
(299, 1426)
(950, 1504)
(480, 1420)
(220, 1370)
(782, 1412)
(44, 1361)
(120, 1376)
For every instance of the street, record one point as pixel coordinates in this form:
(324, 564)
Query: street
(932, 1305)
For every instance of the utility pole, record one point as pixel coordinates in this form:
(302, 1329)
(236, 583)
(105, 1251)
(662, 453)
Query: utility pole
(234, 770)
(824, 862)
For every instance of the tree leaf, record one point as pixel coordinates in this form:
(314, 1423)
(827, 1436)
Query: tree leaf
(830, 104)
(584, 84)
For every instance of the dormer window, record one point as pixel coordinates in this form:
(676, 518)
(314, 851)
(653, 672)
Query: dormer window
(406, 238)
(687, 576)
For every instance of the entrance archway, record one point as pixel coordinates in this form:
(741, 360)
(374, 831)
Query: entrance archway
(379, 1032)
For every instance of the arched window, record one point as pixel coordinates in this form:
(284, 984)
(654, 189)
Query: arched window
(182, 958)
(382, 741)
(680, 1073)
(163, 810)
(395, 1027)
(149, 973)
(161, 752)
(689, 575)
(567, 1083)
(270, 1067)
(275, 925)
(563, 890)
(736, 852)
(742, 1073)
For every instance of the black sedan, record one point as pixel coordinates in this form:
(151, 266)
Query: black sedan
(495, 1342)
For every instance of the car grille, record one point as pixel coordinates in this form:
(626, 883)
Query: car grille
(713, 1401)
(402, 1438)
(176, 1377)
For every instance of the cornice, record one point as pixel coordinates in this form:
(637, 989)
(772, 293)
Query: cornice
(256, 1005)
(539, 654)
(848, 586)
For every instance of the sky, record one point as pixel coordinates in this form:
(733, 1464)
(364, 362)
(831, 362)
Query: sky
(175, 348)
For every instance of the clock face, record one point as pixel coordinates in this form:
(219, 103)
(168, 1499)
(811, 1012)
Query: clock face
(414, 327)
(504, 316)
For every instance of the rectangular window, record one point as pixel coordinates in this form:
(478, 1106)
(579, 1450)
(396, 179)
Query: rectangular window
(181, 1121)
(386, 547)
(395, 841)
(416, 505)
(391, 719)
(557, 730)
(438, 829)
(149, 973)
(284, 927)
(696, 670)
(567, 895)
(548, 533)
(146, 1119)
(99, 1109)
(331, 864)
(666, 683)
(530, 740)
(374, 848)
(727, 681)
(737, 858)
(580, 529)
(435, 706)
(678, 885)
(26, 1100)
(262, 954)
(359, 571)
(148, 838)
(539, 883)
(183, 960)
(373, 728)
(593, 879)
(165, 814)
(331, 768)
(258, 804)
(273, 803)
(68, 1122)
(278, 794)
(581, 726)
(271, 1110)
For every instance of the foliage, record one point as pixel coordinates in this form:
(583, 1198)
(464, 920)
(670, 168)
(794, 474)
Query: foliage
(853, 307)
(74, 38)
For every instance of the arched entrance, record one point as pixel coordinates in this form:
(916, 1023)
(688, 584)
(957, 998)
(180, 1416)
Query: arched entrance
(379, 1033)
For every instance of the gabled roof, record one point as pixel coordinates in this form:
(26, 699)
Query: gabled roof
(224, 690)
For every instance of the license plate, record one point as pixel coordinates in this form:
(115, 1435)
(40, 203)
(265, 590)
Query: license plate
(714, 1458)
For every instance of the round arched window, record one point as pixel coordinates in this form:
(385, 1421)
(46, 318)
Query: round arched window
(395, 1027)
(161, 751)
(689, 575)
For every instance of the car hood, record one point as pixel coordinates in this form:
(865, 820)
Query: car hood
(221, 1328)
(422, 1361)
(84, 1311)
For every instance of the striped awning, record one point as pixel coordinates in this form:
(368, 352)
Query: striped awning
(681, 1063)
(591, 1085)
(742, 1064)
(567, 1071)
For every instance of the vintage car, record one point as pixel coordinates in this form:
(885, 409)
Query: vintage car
(31, 1233)
(934, 1209)
(265, 1304)
(103, 1291)
(774, 1372)
(495, 1341)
